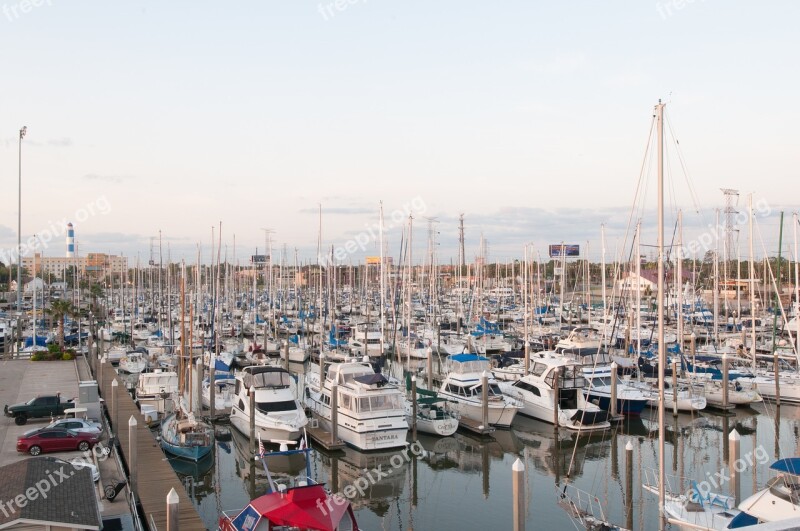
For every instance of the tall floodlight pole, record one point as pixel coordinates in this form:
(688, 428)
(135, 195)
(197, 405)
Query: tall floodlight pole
(19, 223)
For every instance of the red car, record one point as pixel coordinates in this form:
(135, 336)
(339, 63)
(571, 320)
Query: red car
(55, 440)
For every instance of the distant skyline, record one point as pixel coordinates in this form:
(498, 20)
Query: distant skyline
(529, 118)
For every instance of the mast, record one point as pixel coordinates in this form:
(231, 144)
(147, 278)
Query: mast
(716, 287)
(662, 353)
(638, 289)
(679, 283)
(796, 291)
(752, 283)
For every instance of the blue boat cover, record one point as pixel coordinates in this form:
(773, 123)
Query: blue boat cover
(790, 465)
(463, 358)
(742, 520)
(41, 341)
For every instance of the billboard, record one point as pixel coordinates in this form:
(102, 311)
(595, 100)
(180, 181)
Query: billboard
(376, 260)
(259, 259)
(568, 250)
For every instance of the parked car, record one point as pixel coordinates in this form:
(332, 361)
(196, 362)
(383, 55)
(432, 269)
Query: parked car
(39, 407)
(55, 440)
(76, 425)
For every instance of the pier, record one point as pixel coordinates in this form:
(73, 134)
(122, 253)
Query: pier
(155, 476)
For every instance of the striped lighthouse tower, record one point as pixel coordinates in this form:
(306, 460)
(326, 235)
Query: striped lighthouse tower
(70, 241)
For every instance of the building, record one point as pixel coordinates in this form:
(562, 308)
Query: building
(47, 493)
(95, 264)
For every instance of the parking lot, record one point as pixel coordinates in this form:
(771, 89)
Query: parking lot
(21, 380)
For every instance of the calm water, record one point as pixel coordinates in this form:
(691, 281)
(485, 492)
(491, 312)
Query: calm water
(464, 481)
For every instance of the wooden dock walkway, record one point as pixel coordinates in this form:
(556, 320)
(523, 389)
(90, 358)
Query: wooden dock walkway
(155, 474)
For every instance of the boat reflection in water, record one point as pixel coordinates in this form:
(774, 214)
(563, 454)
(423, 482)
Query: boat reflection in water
(372, 480)
(560, 453)
(197, 476)
(252, 472)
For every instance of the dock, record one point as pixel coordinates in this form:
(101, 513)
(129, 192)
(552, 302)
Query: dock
(475, 426)
(323, 437)
(155, 474)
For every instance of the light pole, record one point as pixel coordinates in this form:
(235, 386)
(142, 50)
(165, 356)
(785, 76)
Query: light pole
(19, 224)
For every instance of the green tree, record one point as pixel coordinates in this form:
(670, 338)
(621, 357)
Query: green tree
(59, 310)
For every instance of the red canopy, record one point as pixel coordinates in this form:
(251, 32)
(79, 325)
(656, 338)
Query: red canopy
(307, 507)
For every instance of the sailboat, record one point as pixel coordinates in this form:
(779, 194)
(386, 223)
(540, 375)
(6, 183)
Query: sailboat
(182, 434)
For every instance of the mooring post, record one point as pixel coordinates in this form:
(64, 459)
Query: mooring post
(173, 502)
(518, 494)
(133, 458)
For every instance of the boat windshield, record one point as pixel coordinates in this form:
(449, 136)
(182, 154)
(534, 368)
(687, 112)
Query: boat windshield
(274, 379)
(274, 407)
(600, 382)
(378, 403)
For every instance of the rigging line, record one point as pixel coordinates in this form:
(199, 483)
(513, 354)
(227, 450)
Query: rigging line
(639, 183)
(775, 287)
(692, 191)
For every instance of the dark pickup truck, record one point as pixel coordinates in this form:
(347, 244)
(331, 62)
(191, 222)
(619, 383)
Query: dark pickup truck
(39, 407)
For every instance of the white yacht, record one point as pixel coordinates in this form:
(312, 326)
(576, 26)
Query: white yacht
(537, 392)
(134, 362)
(371, 414)
(279, 415)
(156, 389)
(462, 389)
(224, 392)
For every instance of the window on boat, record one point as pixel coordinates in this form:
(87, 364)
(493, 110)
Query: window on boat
(378, 403)
(344, 400)
(527, 387)
(270, 379)
(272, 407)
(538, 369)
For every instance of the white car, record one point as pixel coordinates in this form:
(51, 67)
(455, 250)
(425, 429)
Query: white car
(79, 463)
(77, 425)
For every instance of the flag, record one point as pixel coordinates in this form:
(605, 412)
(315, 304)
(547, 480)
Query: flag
(303, 441)
(261, 449)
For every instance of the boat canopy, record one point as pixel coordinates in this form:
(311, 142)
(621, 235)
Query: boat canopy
(463, 358)
(372, 379)
(301, 507)
(790, 465)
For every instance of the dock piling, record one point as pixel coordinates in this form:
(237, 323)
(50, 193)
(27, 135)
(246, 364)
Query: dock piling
(735, 443)
(414, 407)
(724, 380)
(334, 413)
(253, 441)
(172, 510)
(675, 388)
(133, 454)
(518, 487)
(612, 408)
(484, 399)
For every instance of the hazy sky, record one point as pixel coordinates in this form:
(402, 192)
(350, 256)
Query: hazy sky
(531, 118)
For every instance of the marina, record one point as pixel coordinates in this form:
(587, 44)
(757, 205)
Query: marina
(358, 266)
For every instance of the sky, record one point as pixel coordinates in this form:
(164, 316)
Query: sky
(530, 118)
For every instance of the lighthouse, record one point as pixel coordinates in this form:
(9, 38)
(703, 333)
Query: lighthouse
(70, 241)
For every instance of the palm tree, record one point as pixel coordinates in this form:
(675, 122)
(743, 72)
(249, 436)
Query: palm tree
(60, 309)
(96, 291)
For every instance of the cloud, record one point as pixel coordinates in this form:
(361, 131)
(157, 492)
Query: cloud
(105, 178)
(345, 211)
(60, 142)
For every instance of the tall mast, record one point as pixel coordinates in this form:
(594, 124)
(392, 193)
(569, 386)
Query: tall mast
(752, 281)
(662, 353)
